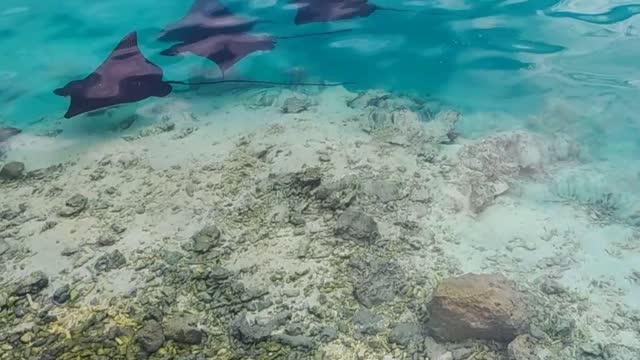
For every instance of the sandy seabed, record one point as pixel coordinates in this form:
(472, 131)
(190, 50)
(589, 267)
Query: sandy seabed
(295, 224)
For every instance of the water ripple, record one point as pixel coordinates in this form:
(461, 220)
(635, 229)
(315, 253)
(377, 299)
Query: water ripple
(615, 15)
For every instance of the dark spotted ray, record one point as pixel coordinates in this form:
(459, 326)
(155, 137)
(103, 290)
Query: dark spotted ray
(7, 132)
(206, 18)
(225, 50)
(211, 31)
(126, 76)
(314, 11)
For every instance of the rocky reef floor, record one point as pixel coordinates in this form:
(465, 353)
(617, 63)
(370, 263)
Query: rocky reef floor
(284, 224)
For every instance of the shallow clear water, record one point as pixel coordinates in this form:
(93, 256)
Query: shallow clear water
(516, 57)
(555, 68)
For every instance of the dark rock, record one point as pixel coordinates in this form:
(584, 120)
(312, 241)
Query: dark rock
(32, 284)
(218, 273)
(70, 251)
(367, 322)
(182, 329)
(53, 352)
(328, 334)
(150, 337)
(296, 220)
(12, 170)
(337, 194)
(110, 261)
(74, 205)
(251, 333)
(204, 240)
(551, 287)
(486, 307)
(12, 213)
(297, 341)
(311, 177)
(48, 226)
(294, 329)
(107, 240)
(381, 283)
(354, 224)
(405, 334)
(153, 313)
(62, 294)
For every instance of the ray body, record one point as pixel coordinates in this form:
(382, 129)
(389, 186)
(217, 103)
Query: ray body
(225, 50)
(314, 11)
(126, 76)
(206, 18)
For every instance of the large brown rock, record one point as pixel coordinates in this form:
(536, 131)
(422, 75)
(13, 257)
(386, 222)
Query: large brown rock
(487, 307)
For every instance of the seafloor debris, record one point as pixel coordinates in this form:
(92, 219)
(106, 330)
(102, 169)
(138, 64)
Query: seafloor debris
(263, 250)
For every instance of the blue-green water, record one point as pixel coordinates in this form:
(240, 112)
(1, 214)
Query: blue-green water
(510, 56)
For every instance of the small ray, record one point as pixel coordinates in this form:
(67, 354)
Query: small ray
(212, 31)
(317, 11)
(206, 18)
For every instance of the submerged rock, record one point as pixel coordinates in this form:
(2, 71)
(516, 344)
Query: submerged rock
(62, 294)
(32, 284)
(354, 224)
(182, 329)
(150, 337)
(204, 240)
(487, 307)
(110, 261)
(405, 334)
(74, 206)
(328, 334)
(12, 170)
(380, 284)
(367, 322)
